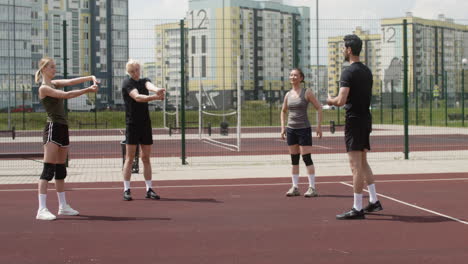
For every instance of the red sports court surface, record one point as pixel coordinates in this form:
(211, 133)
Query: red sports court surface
(425, 220)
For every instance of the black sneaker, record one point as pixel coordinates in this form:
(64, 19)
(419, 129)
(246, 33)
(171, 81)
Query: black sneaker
(353, 214)
(373, 207)
(127, 196)
(152, 195)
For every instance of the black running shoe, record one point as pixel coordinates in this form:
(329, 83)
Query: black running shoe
(127, 196)
(373, 207)
(152, 195)
(353, 214)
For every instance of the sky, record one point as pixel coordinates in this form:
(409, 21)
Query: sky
(328, 9)
(336, 17)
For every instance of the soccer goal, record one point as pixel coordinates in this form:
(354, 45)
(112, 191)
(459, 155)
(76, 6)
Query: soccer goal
(210, 114)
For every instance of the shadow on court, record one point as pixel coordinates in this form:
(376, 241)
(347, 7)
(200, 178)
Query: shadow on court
(194, 200)
(112, 218)
(409, 218)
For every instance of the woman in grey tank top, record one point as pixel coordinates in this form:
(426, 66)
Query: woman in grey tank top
(56, 137)
(298, 130)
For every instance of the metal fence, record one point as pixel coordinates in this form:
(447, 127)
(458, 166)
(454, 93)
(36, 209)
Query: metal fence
(226, 80)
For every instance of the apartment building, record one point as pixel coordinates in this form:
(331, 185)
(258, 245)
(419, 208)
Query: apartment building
(167, 60)
(370, 55)
(436, 48)
(96, 43)
(253, 44)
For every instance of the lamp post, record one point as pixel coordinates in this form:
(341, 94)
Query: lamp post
(24, 108)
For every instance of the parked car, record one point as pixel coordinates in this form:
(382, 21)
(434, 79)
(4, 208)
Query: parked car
(22, 108)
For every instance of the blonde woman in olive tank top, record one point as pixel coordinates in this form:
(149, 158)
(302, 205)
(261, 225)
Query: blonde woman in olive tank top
(298, 131)
(55, 138)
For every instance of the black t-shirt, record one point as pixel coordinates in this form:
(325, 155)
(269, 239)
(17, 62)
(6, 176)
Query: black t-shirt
(359, 79)
(135, 113)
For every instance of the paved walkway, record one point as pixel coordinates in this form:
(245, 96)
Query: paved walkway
(109, 170)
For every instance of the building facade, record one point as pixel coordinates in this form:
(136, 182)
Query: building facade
(370, 55)
(253, 44)
(435, 52)
(167, 61)
(35, 28)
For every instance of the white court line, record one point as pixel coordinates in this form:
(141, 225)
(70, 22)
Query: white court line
(313, 146)
(219, 144)
(415, 206)
(318, 146)
(227, 185)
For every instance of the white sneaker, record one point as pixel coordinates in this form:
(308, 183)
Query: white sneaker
(45, 214)
(311, 192)
(294, 191)
(67, 210)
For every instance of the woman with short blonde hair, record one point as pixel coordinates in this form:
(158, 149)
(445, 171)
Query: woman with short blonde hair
(138, 130)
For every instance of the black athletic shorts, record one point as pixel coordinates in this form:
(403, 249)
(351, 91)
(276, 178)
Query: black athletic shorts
(357, 133)
(139, 135)
(299, 136)
(56, 133)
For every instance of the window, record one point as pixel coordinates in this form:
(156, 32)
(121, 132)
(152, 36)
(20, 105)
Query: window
(203, 44)
(203, 66)
(193, 61)
(193, 45)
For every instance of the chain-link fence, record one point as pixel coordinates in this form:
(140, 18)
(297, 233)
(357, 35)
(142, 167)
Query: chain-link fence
(226, 79)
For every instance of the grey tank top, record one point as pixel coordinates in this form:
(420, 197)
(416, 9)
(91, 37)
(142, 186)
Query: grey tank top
(55, 109)
(297, 107)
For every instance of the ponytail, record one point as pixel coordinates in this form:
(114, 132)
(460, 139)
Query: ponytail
(42, 63)
(37, 76)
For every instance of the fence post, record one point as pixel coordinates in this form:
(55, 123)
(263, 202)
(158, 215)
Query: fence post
(381, 102)
(405, 84)
(65, 59)
(416, 87)
(446, 97)
(463, 97)
(22, 96)
(271, 110)
(391, 98)
(431, 97)
(65, 74)
(182, 90)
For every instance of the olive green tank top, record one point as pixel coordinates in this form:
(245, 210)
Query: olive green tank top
(55, 109)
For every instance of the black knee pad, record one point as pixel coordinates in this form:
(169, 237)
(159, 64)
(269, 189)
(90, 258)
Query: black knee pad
(307, 159)
(295, 159)
(60, 172)
(48, 172)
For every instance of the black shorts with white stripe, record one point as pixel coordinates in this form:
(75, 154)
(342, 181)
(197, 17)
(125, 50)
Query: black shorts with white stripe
(56, 133)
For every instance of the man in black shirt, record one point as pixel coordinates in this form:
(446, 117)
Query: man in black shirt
(355, 94)
(135, 92)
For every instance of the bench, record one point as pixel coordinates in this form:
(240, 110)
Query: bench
(104, 124)
(457, 116)
(21, 155)
(173, 127)
(11, 131)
